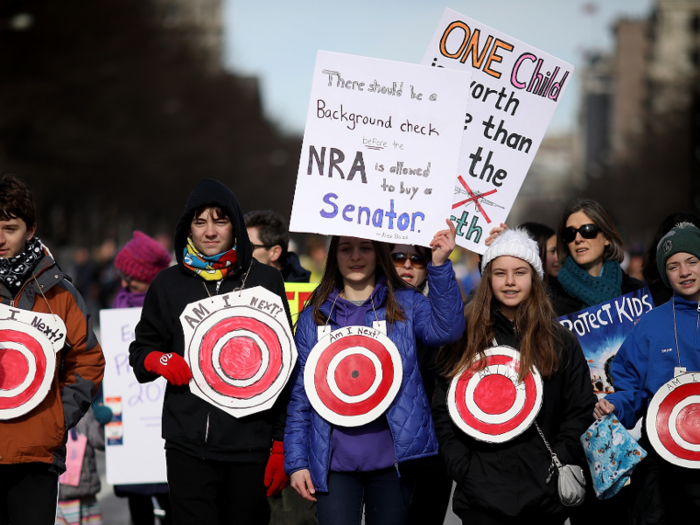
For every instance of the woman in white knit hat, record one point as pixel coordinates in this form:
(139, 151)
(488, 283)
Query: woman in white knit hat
(502, 476)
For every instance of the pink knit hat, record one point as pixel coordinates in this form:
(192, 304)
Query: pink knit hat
(142, 258)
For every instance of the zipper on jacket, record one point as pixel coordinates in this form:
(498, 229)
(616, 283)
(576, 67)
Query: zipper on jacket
(396, 465)
(206, 431)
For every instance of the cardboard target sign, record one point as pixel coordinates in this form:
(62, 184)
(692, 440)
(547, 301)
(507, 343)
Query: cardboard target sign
(29, 342)
(240, 349)
(490, 404)
(673, 421)
(353, 374)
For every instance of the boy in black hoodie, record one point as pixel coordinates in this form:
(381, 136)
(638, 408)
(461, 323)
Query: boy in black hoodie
(218, 465)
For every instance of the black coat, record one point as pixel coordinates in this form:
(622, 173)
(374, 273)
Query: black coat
(190, 424)
(508, 479)
(565, 304)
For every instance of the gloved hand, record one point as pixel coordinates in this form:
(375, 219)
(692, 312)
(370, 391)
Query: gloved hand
(171, 366)
(275, 477)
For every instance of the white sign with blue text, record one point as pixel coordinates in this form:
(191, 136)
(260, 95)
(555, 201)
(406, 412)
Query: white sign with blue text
(381, 149)
(134, 449)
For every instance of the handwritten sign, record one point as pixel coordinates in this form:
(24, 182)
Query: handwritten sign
(240, 349)
(135, 449)
(602, 328)
(380, 149)
(28, 345)
(514, 91)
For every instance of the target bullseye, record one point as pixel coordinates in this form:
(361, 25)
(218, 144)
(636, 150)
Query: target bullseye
(489, 403)
(673, 421)
(240, 355)
(352, 375)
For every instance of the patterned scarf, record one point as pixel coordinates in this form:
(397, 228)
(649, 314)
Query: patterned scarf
(209, 267)
(591, 290)
(15, 270)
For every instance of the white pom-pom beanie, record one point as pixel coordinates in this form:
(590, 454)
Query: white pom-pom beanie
(516, 243)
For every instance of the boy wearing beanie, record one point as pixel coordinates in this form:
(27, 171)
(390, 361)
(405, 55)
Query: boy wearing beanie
(664, 339)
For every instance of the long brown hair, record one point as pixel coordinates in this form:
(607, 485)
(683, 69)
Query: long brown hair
(332, 279)
(536, 331)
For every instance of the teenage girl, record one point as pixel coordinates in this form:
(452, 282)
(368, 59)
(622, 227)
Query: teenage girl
(504, 483)
(348, 468)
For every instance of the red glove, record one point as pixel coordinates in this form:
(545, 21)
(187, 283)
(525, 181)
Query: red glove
(171, 366)
(275, 478)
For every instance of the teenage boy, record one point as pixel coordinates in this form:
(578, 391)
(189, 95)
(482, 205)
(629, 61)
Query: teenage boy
(32, 446)
(218, 465)
(269, 236)
(665, 338)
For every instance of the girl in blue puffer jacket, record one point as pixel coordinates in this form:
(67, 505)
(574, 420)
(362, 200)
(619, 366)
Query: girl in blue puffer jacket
(344, 468)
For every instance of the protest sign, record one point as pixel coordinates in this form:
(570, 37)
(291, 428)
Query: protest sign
(297, 295)
(602, 328)
(514, 91)
(240, 349)
(134, 451)
(380, 149)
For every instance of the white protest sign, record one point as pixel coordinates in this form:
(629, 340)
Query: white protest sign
(134, 449)
(28, 345)
(514, 92)
(240, 349)
(380, 149)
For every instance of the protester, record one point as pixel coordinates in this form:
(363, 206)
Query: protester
(590, 252)
(216, 463)
(431, 495)
(270, 239)
(546, 240)
(506, 482)
(661, 293)
(348, 468)
(77, 503)
(643, 365)
(138, 263)
(32, 451)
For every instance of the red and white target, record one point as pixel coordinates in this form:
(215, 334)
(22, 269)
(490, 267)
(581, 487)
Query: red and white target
(352, 375)
(673, 421)
(241, 355)
(27, 359)
(491, 404)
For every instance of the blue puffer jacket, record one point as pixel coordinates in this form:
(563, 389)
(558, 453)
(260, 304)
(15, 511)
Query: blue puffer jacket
(436, 321)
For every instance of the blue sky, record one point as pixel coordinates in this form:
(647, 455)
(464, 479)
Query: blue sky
(277, 40)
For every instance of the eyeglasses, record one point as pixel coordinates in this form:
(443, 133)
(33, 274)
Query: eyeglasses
(587, 231)
(418, 261)
(255, 246)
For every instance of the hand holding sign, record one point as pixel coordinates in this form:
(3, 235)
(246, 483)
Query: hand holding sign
(443, 243)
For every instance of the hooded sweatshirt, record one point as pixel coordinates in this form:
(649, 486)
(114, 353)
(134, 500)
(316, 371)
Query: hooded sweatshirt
(190, 424)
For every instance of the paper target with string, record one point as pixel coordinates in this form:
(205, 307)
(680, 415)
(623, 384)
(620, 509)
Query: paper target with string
(28, 345)
(673, 421)
(240, 349)
(353, 374)
(490, 404)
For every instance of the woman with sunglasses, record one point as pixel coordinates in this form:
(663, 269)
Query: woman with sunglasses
(431, 496)
(590, 252)
(346, 468)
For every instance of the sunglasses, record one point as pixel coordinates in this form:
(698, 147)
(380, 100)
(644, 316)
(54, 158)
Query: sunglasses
(587, 231)
(418, 261)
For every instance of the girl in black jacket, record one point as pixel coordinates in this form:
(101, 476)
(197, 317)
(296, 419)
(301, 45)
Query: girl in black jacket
(505, 482)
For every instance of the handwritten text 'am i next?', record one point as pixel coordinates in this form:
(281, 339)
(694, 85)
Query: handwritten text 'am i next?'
(197, 312)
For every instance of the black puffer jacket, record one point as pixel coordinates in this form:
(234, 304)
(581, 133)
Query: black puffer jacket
(190, 424)
(565, 304)
(508, 479)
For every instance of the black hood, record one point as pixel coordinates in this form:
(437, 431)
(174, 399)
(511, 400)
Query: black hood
(209, 192)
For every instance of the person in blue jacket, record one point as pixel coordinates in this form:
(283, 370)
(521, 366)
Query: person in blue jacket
(345, 468)
(666, 338)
